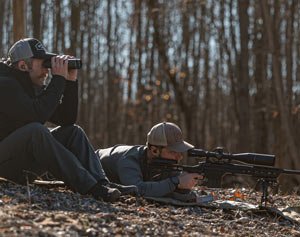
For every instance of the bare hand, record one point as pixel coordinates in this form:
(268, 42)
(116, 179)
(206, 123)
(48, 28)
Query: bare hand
(188, 180)
(60, 67)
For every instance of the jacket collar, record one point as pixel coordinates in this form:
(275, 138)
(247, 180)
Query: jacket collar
(22, 77)
(5, 69)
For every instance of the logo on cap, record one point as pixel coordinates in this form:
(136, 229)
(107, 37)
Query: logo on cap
(40, 46)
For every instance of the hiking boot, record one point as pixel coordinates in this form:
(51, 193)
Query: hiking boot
(105, 193)
(125, 190)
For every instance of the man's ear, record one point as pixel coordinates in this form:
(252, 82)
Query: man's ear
(155, 151)
(22, 66)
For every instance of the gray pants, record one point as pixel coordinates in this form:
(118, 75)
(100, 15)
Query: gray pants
(64, 151)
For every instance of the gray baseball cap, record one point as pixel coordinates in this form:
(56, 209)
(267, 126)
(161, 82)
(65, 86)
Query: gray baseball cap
(28, 48)
(168, 135)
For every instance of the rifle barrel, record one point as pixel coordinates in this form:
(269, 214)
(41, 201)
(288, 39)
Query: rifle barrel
(288, 171)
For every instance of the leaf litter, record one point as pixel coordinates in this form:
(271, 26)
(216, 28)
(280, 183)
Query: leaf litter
(57, 211)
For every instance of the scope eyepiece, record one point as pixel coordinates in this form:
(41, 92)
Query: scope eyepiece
(197, 152)
(73, 63)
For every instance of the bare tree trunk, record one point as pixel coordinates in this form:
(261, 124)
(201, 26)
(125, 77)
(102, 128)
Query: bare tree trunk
(261, 108)
(297, 19)
(19, 14)
(88, 80)
(75, 27)
(140, 86)
(243, 85)
(36, 18)
(207, 103)
(57, 25)
(110, 99)
(293, 161)
(128, 129)
(118, 103)
(198, 134)
(290, 11)
(232, 60)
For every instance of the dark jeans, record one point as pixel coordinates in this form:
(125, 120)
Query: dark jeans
(64, 151)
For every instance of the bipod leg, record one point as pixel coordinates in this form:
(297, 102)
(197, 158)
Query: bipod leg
(264, 196)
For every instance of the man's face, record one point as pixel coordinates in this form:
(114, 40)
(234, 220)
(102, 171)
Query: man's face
(38, 73)
(171, 155)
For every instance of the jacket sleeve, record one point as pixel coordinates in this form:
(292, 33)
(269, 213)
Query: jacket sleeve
(16, 104)
(66, 111)
(130, 173)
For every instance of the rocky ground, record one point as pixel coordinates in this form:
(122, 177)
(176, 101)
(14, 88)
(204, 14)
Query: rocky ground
(36, 210)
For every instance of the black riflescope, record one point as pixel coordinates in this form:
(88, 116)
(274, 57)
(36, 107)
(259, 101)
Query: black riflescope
(250, 158)
(73, 63)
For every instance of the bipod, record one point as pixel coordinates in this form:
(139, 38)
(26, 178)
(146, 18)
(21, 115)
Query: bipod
(265, 183)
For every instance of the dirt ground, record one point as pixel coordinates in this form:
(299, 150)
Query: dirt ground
(56, 211)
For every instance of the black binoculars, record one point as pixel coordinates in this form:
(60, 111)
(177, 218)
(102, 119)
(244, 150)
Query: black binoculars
(73, 63)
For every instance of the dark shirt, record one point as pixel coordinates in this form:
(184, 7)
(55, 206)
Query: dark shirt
(20, 104)
(128, 165)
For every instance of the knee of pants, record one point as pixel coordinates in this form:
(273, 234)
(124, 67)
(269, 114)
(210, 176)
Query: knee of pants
(36, 131)
(35, 128)
(72, 129)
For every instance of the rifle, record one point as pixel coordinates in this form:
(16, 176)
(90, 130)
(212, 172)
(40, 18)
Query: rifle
(217, 164)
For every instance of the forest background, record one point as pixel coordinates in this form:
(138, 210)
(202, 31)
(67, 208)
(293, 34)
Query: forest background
(227, 72)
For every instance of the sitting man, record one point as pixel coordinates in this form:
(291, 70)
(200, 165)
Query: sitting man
(26, 103)
(131, 165)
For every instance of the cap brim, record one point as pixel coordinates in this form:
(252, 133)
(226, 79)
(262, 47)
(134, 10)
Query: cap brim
(180, 147)
(46, 55)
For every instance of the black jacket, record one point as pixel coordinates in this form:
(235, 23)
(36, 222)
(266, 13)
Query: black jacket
(19, 104)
